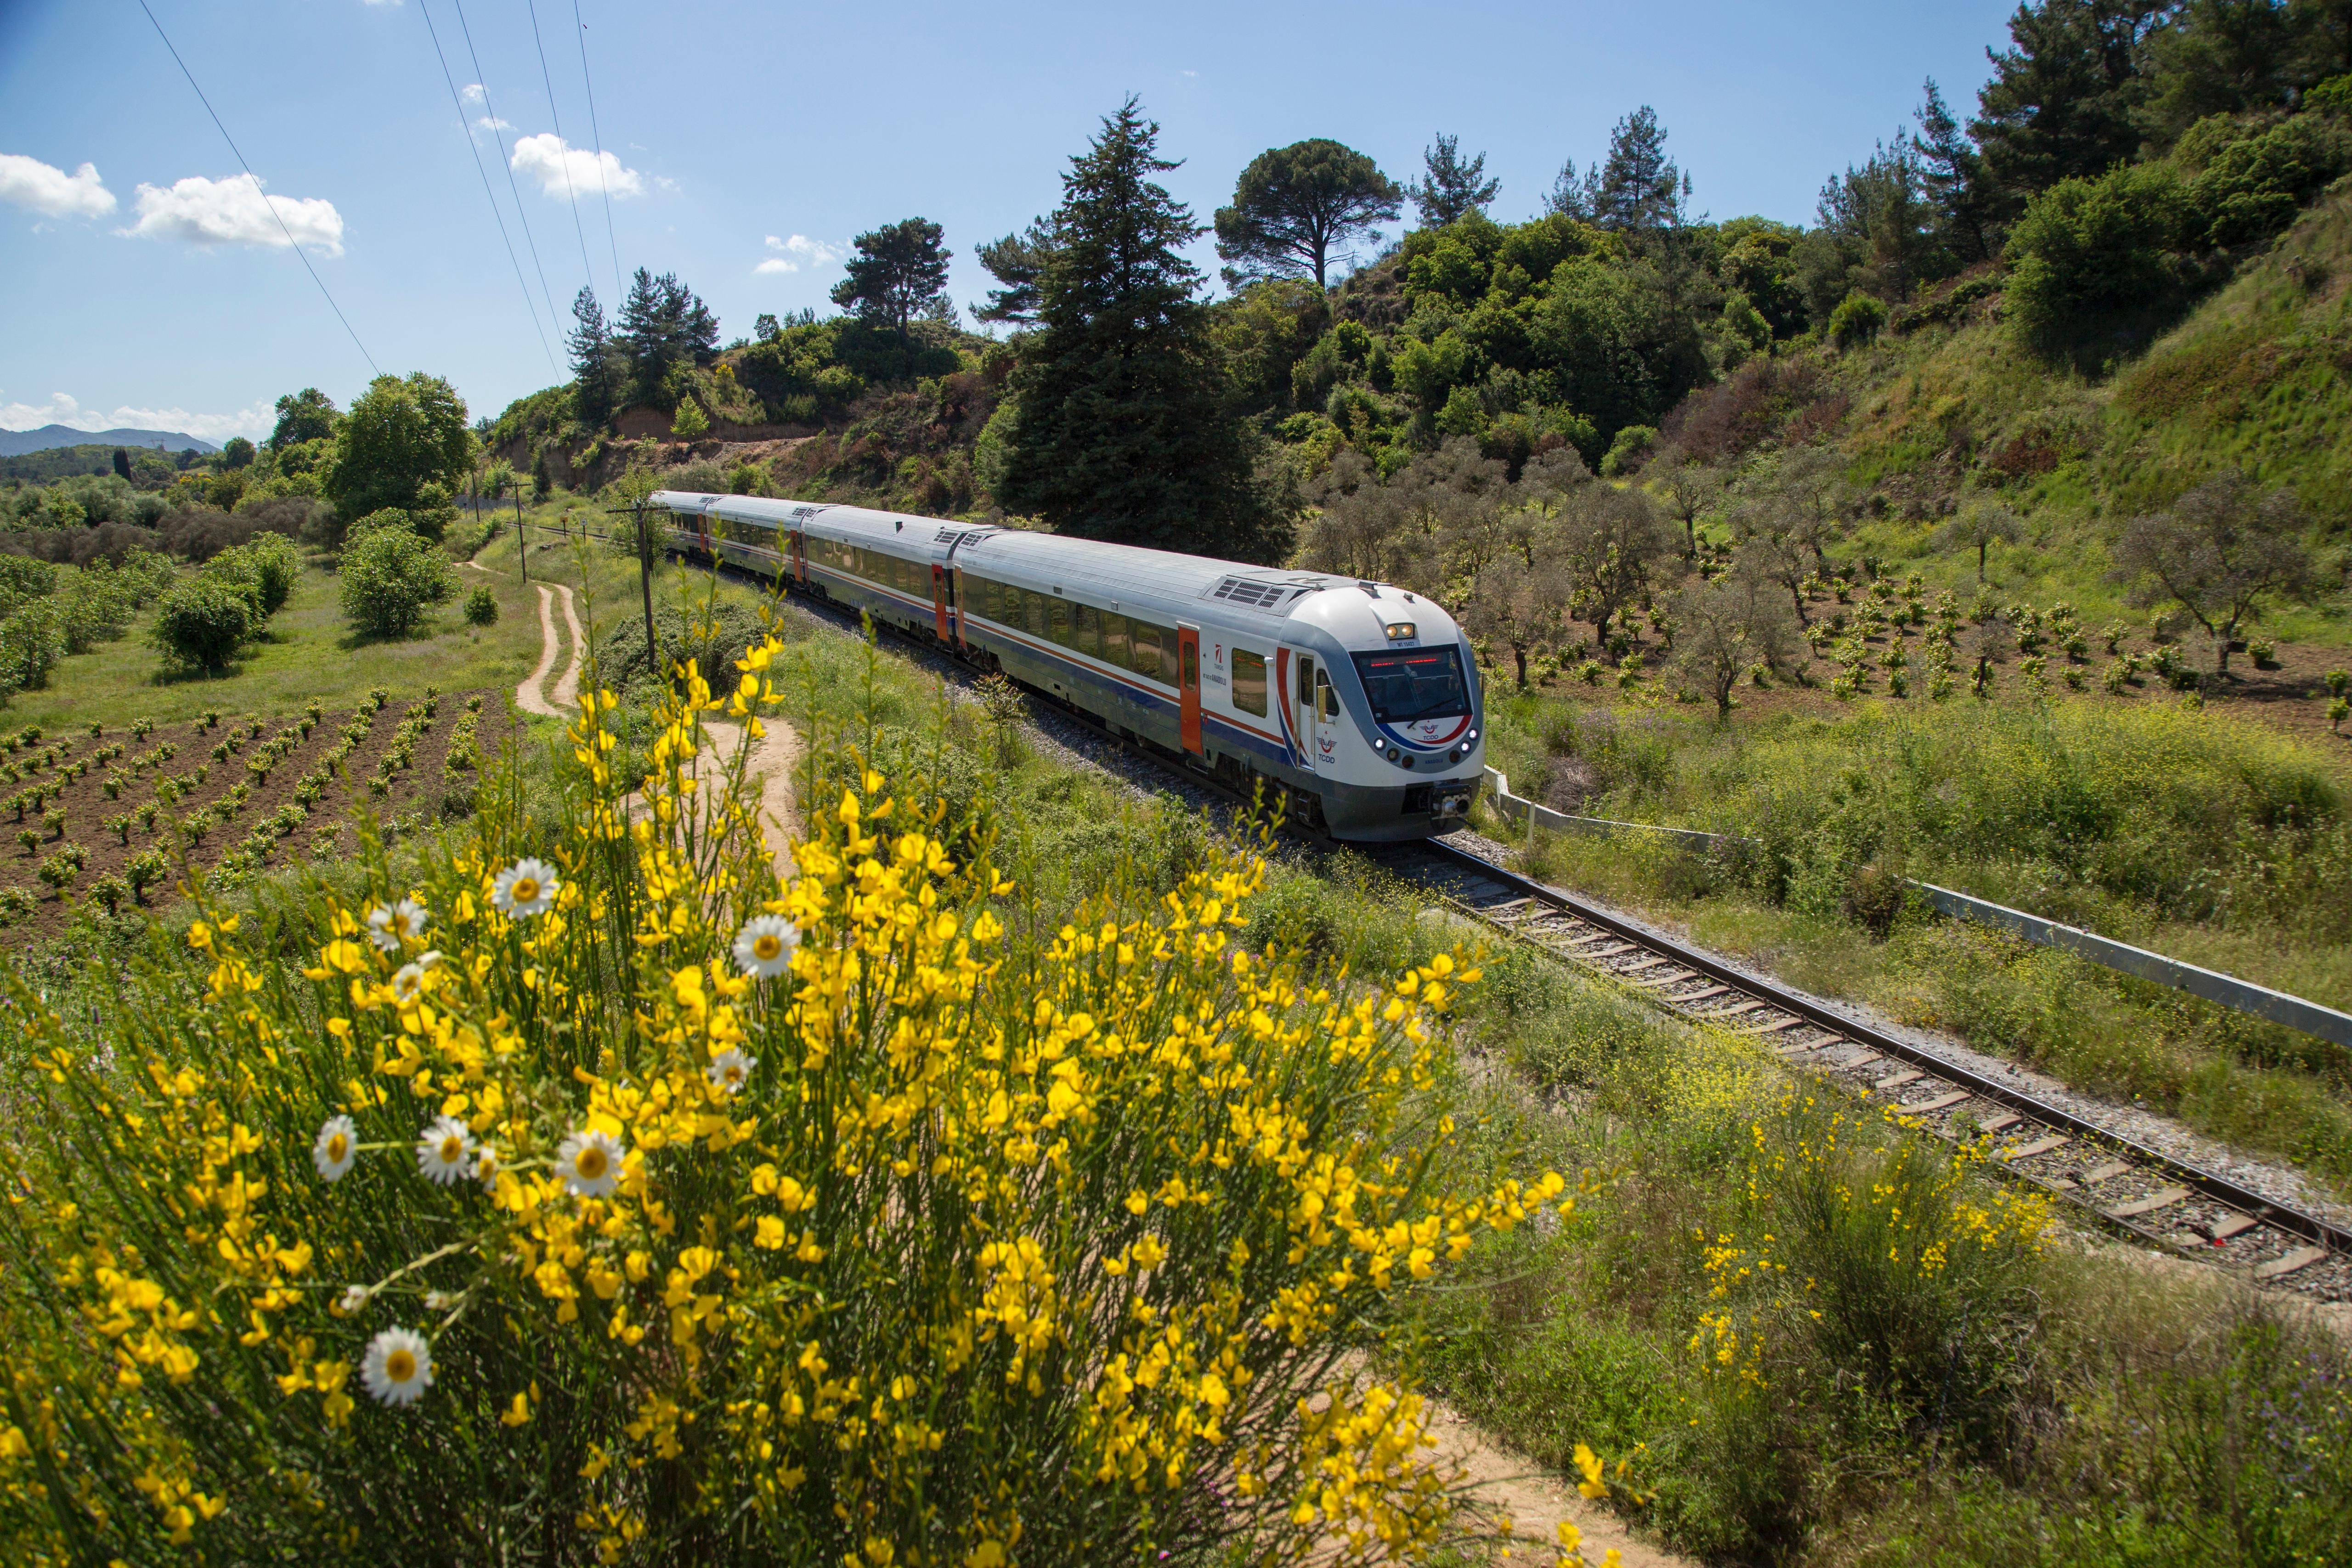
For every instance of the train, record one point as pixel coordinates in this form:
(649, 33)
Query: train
(1357, 703)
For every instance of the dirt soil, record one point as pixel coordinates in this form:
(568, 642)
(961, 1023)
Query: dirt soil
(328, 828)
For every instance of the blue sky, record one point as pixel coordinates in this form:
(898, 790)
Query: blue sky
(744, 143)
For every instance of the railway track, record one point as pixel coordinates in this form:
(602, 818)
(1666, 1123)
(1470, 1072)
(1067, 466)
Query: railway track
(2103, 1177)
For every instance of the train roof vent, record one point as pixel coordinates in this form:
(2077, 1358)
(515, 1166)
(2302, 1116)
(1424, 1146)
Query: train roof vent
(950, 535)
(1250, 593)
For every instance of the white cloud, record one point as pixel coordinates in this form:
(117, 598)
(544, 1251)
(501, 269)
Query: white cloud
(63, 408)
(234, 212)
(791, 253)
(370, 3)
(564, 170)
(29, 182)
(474, 92)
(492, 123)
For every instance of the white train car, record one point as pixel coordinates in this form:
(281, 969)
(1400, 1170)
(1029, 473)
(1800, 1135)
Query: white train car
(1360, 699)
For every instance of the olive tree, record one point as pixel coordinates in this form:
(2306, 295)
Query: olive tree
(2217, 552)
(1724, 628)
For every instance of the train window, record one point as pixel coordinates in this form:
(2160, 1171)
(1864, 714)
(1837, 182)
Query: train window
(1114, 639)
(1412, 684)
(1146, 652)
(1036, 602)
(1088, 637)
(1057, 622)
(1249, 682)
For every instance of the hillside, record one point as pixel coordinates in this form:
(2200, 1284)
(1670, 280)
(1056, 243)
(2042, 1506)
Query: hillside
(1955, 412)
(17, 443)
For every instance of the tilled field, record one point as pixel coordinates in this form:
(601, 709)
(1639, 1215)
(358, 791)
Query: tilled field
(106, 817)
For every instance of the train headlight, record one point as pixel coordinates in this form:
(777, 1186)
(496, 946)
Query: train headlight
(1401, 631)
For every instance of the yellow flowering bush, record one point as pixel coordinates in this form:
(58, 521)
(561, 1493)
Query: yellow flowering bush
(593, 1193)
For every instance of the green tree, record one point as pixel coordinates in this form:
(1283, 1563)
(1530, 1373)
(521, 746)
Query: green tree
(690, 421)
(900, 270)
(200, 625)
(304, 416)
(1017, 262)
(1724, 629)
(1449, 187)
(1951, 172)
(1638, 189)
(1123, 430)
(237, 453)
(595, 373)
(1294, 204)
(664, 325)
(401, 435)
(390, 579)
(2061, 100)
(2088, 251)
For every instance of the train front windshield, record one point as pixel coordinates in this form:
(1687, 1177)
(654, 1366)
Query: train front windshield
(1410, 683)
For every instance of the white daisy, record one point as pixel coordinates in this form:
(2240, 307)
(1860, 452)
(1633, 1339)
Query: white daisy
(407, 983)
(399, 1367)
(486, 1168)
(406, 920)
(524, 889)
(590, 1162)
(730, 1069)
(337, 1148)
(354, 1299)
(438, 1301)
(444, 1151)
(764, 947)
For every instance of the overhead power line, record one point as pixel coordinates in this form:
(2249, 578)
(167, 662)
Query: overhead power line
(266, 202)
(466, 129)
(482, 80)
(581, 32)
(556, 115)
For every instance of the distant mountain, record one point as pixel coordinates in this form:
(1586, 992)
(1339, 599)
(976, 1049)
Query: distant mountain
(16, 443)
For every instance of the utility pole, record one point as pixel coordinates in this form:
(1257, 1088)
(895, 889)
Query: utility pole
(522, 540)
(646, 584)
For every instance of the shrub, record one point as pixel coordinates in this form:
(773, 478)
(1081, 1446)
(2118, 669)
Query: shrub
(390, 579)
(202, 624)
(1000, 1241)
(1857, 319)
(33, 638)
(481, 607)
(2086, 251)
(269, 561)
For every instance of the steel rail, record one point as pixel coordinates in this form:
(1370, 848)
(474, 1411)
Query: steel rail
(2221, 1189)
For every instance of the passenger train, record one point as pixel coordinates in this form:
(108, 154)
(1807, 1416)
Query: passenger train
(1359, 699)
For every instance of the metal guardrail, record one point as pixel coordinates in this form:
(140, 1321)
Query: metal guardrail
(2227, 990)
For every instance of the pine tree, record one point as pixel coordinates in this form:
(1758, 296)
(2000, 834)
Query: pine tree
(2061, 96)
(1638, 189)
(900, 270)
(1953, 173)
(1450, 188)
(663, 324)
(591, 343)
(1121, 429)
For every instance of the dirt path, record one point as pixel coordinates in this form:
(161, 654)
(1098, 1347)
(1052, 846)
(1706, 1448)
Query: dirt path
(567, 690)
(528, 696)
(1505, 1486)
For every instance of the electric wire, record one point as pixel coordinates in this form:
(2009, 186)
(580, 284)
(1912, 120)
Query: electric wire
(611, 237)
(482, 80)
(466, 129)
(555, 114)
(293, 244)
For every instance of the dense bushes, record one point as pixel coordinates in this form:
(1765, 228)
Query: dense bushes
(2089, 253)
(200, 625)
(1085, 1275)
(391, 578)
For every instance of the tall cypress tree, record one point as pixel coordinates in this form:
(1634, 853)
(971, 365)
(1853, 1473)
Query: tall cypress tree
(1122, 430)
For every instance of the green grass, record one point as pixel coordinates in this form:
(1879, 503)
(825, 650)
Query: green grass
(2251, 378)
(2214, 840)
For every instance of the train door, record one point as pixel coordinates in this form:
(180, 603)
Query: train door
(1188, 685)
(1323, 722)
(1310, 754)
(799, 558)
(940, 601)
